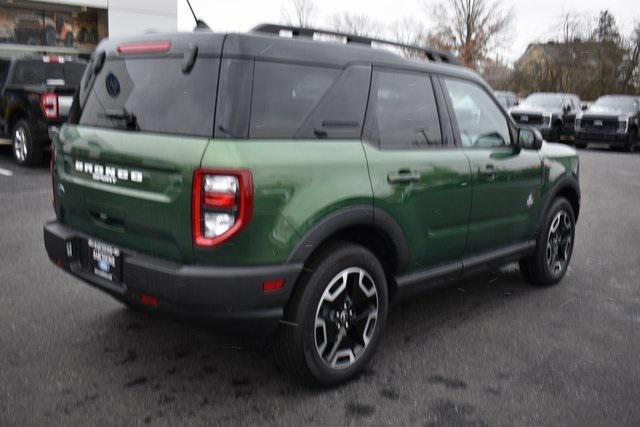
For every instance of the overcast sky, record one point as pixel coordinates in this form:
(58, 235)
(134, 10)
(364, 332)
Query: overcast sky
(533, 20)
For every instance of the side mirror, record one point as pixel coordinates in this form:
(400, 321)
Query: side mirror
(585, 108)
(529, 139)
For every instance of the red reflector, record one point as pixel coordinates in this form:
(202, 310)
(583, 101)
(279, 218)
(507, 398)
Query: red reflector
(148, 300)
(272, 286)
(219, 200)
(60, 262)
(141, 48)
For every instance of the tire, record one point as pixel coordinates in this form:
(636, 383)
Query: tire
(305, 345)
(632, 141)
(26, 151)
(552, 255)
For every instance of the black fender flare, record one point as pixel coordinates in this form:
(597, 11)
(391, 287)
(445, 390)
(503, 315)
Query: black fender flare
(361, 215)
(563, 183)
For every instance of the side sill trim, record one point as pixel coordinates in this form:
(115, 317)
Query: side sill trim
(455, 270)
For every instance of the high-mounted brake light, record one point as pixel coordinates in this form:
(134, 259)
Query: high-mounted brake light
(53, 59)
(222, 205)
(49, 105)
(144, 48)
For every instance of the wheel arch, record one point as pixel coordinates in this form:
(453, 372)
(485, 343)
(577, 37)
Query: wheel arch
(370, 227)
(13, 117)
(568, 188)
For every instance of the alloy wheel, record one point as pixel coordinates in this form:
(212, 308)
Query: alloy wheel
(346, 318)
(20, 144)
(559, 243)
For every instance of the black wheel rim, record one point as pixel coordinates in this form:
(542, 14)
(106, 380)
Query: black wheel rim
(559, 243)
(346, 318)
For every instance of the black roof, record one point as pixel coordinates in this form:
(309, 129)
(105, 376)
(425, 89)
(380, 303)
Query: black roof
(258, 45)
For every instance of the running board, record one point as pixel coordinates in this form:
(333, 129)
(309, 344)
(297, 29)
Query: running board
(436, 277)
(4, 141)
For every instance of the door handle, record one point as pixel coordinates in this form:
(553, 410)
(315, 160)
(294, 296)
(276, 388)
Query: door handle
(489, 173)
(403, 176)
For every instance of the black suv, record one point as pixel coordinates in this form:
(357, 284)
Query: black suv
(35, 97)
(612, 120)
(553, 113)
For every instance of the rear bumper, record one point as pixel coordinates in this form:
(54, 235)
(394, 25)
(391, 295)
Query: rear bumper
(231, 297)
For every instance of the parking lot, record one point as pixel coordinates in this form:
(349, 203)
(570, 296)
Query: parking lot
(489, 351)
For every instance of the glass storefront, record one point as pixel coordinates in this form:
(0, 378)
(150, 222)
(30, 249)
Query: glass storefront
(50, 27)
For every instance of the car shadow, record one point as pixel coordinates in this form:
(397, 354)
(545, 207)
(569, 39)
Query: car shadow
(172, 361)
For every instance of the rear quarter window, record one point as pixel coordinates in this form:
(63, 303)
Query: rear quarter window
(284, 95)
(154, 91)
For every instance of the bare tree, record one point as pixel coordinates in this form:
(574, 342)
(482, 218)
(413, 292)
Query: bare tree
(300, 13)
(631, 74)
(472, 27)
(413, 33)
(359, 25)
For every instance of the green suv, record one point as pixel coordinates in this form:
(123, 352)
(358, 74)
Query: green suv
(296, 187)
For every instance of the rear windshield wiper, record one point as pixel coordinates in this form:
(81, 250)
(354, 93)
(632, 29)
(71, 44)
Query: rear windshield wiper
(129, 118)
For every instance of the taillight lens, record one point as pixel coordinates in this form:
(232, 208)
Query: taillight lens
(222, 205)
(49, 105)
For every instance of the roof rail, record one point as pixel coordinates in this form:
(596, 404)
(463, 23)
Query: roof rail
(431, 54)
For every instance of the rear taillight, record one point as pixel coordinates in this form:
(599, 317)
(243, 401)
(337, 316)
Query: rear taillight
(49, 105)
(222, 205)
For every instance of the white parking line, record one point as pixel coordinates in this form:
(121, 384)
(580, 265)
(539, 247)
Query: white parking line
(5, 172)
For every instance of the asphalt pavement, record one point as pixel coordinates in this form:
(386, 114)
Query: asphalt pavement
(488, 351)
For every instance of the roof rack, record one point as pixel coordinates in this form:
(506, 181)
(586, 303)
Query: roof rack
(431, 54)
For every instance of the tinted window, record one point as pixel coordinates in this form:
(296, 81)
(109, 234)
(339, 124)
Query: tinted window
(403, 112)
(283, 95)
(152, 95)
(480, 121)
(234, 98)
(36, 72)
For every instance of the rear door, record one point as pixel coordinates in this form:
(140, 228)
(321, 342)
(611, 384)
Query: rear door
(141, 124)
(417, 174)
(506, 181)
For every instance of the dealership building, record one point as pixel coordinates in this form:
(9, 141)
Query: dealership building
(74, 27)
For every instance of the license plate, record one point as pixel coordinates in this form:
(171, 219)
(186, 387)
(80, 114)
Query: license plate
(597, 123)
(104, 260)
(524, 118)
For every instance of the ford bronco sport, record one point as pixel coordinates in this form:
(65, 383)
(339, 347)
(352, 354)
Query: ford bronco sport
(296, 186)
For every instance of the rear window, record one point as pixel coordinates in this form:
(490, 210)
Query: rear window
(283, 95)
(37, 72)
(152, 95)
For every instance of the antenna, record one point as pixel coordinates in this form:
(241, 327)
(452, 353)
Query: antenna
(200, 24)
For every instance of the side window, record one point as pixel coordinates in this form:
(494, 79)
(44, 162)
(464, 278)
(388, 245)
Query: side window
(283, 95)
(403, 111)
(480, 121)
